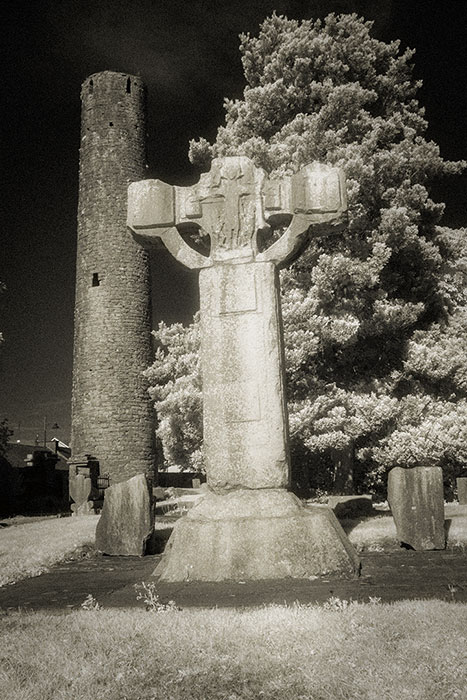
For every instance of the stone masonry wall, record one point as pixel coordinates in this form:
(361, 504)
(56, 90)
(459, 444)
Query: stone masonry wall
(111, 413)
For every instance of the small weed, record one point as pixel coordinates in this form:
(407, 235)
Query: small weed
(85, 551)
(319, 496)
(336, 604)
(459, 547)
(90, 603)
(452, 590)
(147, 593)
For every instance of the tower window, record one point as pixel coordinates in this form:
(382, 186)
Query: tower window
(95, 279)
(128, 85)
(111, 123)
(91, 87)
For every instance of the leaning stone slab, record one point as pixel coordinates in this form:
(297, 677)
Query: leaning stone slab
(461, 482)
(256, 534)
(127, 521)
(417, 504)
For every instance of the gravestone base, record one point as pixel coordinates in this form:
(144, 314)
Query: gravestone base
(86, 508)
(256, 534)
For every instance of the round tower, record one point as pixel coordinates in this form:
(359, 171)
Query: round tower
(112, 418)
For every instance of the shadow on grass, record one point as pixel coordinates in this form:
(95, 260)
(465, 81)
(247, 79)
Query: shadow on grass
(158, 540)
(349, 524)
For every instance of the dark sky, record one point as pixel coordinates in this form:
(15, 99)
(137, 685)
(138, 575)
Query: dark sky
(187, 53)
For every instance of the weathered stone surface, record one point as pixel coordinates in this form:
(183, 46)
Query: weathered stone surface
(248, 525)
(256, 534)
(244, 409)
(179, 505)
(461, 483)
(83, 472)
(417, 504)
(80, 489)
(351, 506)
(127, 520)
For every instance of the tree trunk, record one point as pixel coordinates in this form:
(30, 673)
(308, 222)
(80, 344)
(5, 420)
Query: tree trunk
(343, 460)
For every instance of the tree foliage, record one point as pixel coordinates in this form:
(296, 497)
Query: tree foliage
(176, 391)
(373, 318)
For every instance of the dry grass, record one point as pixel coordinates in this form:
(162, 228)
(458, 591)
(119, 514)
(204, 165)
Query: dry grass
(371, 534)
(30, 548)
(415, 650)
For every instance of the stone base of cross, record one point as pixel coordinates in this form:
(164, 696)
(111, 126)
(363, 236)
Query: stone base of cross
(248, 525)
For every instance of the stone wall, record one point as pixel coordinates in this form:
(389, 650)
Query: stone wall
(111, 414)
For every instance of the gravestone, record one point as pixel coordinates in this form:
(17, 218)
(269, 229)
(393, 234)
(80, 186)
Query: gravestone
(126, 522)
(83, 472)
(416, 500)
(461, 483)
(247, 526)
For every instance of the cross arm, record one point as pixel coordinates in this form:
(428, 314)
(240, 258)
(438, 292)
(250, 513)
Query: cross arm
(316, 199)
(151, 216)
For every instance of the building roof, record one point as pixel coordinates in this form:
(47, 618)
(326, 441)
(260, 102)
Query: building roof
(17, 455)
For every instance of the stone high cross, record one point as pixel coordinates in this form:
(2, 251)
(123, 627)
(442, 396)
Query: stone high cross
(244, 408)
(245, 423)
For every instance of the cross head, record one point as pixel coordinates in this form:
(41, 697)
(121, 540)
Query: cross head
(233, 204)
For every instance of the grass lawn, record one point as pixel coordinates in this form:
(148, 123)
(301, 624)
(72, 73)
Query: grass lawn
(30, 546)
(415, 650)
(345, 651)
(378, 533)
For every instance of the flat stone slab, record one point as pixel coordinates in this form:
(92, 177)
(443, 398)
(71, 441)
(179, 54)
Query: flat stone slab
(126, 522)
(416, 500)
(163, 493)
(178, 505)
(351, 506)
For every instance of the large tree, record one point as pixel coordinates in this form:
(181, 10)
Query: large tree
(358, 305)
